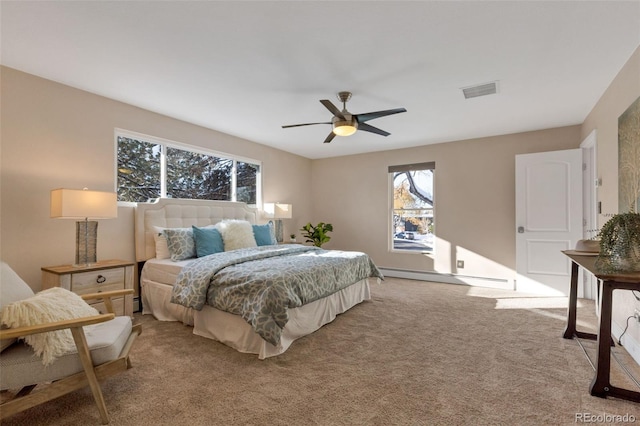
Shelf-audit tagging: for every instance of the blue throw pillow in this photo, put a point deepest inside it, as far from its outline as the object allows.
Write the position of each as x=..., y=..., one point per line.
x=208, y=241
x=264, y=234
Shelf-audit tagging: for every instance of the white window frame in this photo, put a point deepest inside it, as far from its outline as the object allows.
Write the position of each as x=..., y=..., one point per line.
x=391, y=231
x=164, y=143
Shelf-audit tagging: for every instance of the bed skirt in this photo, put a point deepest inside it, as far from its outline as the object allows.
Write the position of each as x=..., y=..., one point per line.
x=235, y=332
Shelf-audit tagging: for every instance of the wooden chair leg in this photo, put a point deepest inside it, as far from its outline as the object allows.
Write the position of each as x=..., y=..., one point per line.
x=87, y=363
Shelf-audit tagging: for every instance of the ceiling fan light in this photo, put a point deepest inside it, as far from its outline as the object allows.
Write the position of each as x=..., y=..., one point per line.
x=345, y=128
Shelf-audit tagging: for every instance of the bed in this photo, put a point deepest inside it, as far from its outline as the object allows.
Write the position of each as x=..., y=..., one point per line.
x=168, y=293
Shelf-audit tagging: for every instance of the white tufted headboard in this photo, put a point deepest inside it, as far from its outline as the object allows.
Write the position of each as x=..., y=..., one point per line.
x=182, y=213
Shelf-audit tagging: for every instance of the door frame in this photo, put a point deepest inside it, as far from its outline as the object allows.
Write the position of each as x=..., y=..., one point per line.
x=590, y=184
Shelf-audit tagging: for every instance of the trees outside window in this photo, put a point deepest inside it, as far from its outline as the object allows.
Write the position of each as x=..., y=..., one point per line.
x=138, y=170
x=412, y=211
x=149, y=168
x=198, y=176
x=247, y=175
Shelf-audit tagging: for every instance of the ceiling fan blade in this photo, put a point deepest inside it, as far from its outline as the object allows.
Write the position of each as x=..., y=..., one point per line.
x=331, y=107
x=377, y=114
x=369, y=128
x=330, y=137
x=305, y=124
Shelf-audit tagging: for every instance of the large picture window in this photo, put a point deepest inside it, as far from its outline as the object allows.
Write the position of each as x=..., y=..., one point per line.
x=412, y=213
x=150, y=168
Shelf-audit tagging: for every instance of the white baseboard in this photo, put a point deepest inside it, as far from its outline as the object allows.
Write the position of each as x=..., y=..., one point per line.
x=449, y=278
x=628, y=342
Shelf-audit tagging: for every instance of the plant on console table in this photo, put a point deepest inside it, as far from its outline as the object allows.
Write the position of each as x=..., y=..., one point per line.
x=317, y=234
x=620, y=244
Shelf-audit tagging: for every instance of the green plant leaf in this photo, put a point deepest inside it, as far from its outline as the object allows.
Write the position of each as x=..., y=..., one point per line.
x=317, y=234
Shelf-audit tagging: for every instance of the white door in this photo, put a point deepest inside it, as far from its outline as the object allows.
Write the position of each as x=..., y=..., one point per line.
x=548, y=219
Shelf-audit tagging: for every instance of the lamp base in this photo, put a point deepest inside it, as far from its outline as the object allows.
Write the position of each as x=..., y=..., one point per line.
x=86, y=241
x=279, y=237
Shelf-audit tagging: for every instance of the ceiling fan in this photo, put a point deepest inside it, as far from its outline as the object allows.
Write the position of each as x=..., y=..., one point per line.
x=345, y=124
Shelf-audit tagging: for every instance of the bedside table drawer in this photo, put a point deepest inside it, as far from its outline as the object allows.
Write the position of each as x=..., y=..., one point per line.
x=97, y=281
x=106, y=275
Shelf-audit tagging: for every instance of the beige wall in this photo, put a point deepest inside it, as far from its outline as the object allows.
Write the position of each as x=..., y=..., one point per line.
x=474, y=208
x=621, y=93
x=54, y=136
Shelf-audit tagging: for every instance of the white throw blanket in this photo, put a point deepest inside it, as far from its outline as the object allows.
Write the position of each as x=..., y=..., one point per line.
x=54, y=304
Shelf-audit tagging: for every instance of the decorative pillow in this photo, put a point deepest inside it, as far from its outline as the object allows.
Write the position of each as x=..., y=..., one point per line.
x=236, y=234
x=180, y=243
x=208, y=241
x=54, y=304
x=264, y=234
x=162, y=249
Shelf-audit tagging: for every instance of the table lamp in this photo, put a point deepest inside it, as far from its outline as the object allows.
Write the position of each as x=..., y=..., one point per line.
x=84, y=205
x=278, y=211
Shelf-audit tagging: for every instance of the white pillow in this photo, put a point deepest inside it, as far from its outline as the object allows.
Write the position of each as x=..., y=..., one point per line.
x=236, y=234
x=162, y=249
x=54, y=304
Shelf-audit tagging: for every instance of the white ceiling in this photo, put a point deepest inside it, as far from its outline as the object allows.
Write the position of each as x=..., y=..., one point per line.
x=246, y=68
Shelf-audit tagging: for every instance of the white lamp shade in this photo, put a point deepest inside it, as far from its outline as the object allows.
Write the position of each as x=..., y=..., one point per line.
x=83, y=204
x=278, y=210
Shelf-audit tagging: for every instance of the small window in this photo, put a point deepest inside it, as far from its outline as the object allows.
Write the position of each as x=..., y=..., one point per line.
x=412, y=213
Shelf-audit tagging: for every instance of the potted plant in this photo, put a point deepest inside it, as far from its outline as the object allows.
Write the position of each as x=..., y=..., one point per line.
x=292, y=238
x=317, y=234
x=620, y=244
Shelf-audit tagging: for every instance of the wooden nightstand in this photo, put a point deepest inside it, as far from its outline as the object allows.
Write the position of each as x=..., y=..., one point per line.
x=101, y=276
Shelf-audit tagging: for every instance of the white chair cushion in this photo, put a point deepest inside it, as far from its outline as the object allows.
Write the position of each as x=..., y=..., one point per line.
x=13, y=289
x=19, y=366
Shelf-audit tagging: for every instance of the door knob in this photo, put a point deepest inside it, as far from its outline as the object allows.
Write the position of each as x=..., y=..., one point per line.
x=520, y=229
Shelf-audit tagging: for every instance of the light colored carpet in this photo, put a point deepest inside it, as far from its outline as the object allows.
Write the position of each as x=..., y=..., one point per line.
x=418, y=353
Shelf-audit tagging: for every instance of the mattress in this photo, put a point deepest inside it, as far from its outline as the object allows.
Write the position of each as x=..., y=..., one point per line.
x=156, y=280
x=163, y=271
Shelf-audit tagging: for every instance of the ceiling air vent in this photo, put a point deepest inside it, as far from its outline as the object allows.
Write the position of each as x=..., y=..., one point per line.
x=480, y=90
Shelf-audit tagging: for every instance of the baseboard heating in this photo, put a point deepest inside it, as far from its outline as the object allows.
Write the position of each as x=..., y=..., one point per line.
x=137, y=304
x=503, y=284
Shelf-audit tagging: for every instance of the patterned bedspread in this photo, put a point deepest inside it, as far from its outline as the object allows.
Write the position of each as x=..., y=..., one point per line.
x=262, y=283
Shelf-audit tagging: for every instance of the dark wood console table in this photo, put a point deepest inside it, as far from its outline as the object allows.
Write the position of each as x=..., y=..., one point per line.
x=601, y=384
